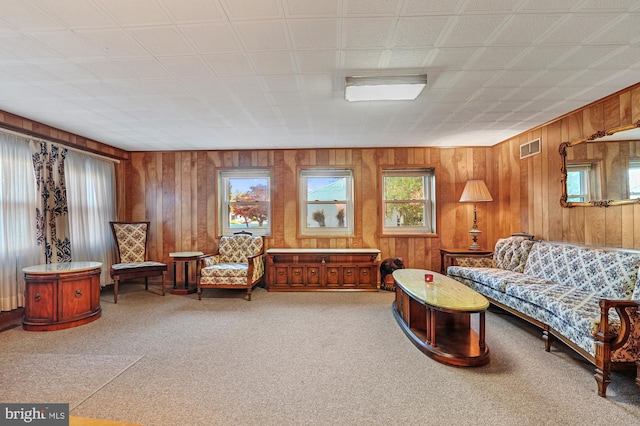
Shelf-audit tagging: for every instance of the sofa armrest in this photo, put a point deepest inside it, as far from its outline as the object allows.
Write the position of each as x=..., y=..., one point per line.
x=604, y=335
x=256, y=266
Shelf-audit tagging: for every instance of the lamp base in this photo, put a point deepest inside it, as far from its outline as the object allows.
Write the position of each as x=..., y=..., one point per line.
x=475, y=246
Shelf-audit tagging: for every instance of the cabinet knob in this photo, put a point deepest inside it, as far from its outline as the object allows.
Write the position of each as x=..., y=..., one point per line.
x=313, y=272
x=349, y=272
x=296, y=272
x=365, y=272
x=333, y=272
x=78, y=293
x=280, y=272
x=37, y=297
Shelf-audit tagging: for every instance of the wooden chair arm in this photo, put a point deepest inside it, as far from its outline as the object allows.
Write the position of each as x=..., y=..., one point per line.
x=604, y=334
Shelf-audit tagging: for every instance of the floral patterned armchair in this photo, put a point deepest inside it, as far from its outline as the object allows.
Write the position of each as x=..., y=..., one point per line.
x=239, y=263
x=132, y=257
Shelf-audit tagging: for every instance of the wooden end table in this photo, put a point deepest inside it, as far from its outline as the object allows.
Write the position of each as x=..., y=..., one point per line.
x=184, y=257
x=447, y=256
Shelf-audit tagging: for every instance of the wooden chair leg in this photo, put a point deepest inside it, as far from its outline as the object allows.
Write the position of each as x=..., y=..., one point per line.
x=164, y=274
x=249, y=294
x=146, y=283
x=115, y=289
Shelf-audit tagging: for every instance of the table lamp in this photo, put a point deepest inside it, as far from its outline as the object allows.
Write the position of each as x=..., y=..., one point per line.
x=475, y=191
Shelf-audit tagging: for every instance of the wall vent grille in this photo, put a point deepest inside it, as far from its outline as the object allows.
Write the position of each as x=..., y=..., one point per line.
x=530, y=148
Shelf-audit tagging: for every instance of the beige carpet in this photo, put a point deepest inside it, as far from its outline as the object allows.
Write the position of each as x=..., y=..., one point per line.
x=294, y=359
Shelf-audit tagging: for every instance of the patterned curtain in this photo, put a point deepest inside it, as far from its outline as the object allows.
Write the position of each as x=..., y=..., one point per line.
x=52, y=221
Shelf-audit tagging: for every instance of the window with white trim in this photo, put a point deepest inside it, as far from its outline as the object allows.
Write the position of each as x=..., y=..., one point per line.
x=326, y=206
x=245, y=201
x=409, y=201
x=634, y=179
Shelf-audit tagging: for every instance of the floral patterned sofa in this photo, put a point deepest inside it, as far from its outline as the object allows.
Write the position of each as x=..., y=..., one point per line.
x=585, y=296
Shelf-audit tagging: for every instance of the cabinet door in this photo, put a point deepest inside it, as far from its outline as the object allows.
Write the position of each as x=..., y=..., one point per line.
x=349, y=276
x=313, y=275
x=281, y=275
x=74, y=297
x=333, y=276
x=367, y=276
x=297, y=275
x=40, y=302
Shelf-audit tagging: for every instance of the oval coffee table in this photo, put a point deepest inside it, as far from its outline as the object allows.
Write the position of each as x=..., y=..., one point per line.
x=443, y=318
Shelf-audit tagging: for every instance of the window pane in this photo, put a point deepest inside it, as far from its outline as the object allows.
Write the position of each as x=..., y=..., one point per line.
x=404, y=214
x=248, y=215
x=404, y=188
x=248, y=189
x=326, y=215
x=326, y=189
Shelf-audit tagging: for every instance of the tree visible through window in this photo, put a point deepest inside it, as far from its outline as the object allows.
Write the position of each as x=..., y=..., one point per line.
x=245, y=201
x=408, y=200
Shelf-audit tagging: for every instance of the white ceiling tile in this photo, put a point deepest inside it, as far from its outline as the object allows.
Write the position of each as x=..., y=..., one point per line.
x=620, y=30
x=525, y=29
x=193, y=11
x=373, y=7
x=538, y=57
x=186, y=66
x=314, y=34
x=145, y=68
x=367, y=32
x=317, y=62
x=299, y=8
x=27, y=48
x=229, y=65
x=280, y=83
x=77, y=13
x=68, y=44
x=488, y=6
x=249, y=9
x=106, y=70
x=610, y=5
x=135, y=13
x=419, y=31
x=162, y=41
x=432, y=6
x=451, y=58
x=24, y=16
x=549, y=6
x=273, y=63
x=578, y=28
x=473, y=30
x=494, y=57
x=263, y=35
x=212, y=38
x=114, y=43
x=359, y=60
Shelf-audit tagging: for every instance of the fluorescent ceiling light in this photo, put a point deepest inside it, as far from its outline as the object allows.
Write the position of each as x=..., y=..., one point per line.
x=400, y=88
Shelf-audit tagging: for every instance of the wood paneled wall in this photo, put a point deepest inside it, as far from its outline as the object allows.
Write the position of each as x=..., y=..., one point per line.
x=176, y=191
x=529, y=190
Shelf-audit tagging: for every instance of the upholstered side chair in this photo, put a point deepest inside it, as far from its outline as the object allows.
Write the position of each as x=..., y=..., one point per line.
x=238, y=264
x=131, y=239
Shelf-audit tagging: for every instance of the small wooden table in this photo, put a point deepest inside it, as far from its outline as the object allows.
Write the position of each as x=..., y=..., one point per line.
x=61, y=295
x=443, y=318
x=184, y=257
x=447, y=255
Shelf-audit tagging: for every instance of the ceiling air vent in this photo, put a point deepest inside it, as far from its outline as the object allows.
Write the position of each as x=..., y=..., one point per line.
x=530, y=148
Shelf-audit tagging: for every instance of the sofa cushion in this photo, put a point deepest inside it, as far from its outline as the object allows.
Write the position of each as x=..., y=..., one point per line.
x=511, y=253
x=494, y=278
x=608, y=273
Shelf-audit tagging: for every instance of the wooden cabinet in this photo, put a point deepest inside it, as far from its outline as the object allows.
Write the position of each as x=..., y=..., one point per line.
x=61, y=295
x=322, y=269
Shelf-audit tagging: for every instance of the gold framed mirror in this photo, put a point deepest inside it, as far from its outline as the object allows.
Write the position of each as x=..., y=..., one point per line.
x=603, y=169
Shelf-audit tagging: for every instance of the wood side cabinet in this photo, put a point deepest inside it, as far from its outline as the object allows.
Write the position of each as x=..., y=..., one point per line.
x=291, y=269
x=61, y=295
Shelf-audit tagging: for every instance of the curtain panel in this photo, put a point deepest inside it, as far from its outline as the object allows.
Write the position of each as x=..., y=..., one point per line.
x=52, y=219
x=17, y=219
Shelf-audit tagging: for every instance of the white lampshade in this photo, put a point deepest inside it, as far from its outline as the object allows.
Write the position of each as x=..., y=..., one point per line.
x=475, y=191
